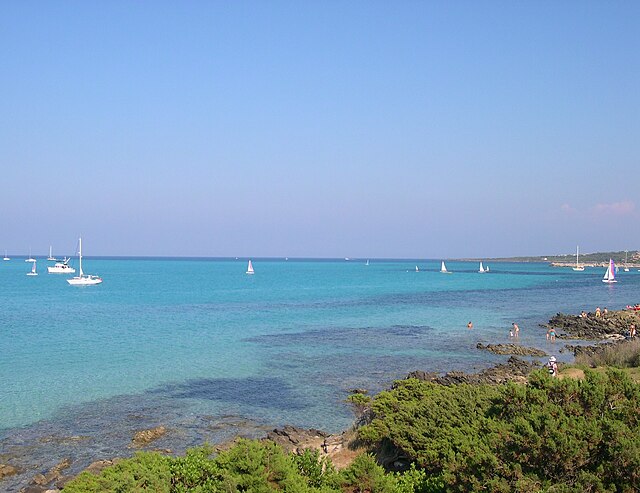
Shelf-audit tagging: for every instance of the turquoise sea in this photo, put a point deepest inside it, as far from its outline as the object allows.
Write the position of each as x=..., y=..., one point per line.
x=202, y=348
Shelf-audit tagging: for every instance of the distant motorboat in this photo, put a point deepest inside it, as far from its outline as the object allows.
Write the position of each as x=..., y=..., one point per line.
x=33, y=269
x=481, y=270
x=443, y=268
x=250, y=268
x=83, y=279
x=610, y=274
x=578, y=267
x=61, y=267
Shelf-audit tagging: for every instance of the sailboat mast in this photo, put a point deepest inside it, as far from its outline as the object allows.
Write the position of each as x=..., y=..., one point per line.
x=80, y=255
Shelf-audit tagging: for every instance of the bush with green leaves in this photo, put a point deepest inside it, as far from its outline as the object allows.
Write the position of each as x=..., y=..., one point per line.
x=549, y=435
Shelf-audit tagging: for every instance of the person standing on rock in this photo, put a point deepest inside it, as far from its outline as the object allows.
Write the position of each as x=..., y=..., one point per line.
x=632, y=330
x=598, y=312
x=605, y=312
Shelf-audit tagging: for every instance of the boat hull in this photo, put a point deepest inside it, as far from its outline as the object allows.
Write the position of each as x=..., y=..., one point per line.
x=84, y=281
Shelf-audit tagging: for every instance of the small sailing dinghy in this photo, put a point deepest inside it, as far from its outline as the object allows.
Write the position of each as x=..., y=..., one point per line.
x=83, y=279
x=443, y=268
x=417, y=270
x=626, y=267
x=481, y=269
x=578, y=267
x=6, y=257
x=33, y=269
x=250, y=268
x=610, y=274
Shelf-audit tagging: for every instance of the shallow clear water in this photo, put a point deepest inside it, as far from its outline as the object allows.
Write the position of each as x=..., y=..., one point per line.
x=208, y=351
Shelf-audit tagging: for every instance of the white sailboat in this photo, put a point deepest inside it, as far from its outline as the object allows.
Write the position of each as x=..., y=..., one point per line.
x=481, y=269
x=610, y=274
x=33, y=269
x=83, y=279
x=51, y=257
x=443, y=268
x=578, y=267
x=250, y=268
x=626, y=254
x=367, y=262
x=6, y=257
x=30, y=259
x=417, y=270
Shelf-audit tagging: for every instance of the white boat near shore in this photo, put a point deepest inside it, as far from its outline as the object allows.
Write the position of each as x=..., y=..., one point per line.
x=250, y=268
x=578, y=267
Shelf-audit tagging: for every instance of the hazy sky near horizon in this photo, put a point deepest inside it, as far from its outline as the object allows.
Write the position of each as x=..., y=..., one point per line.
x=331, y=129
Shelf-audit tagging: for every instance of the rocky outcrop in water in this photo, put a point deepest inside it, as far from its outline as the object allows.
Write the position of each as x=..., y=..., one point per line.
x=514, y=370
x=7, y=470
x=514, y=349
x=144, y=437
x=615, y=323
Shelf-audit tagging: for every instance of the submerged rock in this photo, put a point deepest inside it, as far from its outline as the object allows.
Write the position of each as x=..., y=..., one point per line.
x=7, y=470
x=511, y=349
x=144, y=437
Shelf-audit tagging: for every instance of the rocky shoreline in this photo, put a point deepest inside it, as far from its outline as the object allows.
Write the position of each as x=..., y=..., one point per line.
x=342, y=448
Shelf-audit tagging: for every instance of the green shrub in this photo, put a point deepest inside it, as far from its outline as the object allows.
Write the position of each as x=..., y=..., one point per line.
x=195, y=472
x=365, y=475
x=146, y=471
x=555, y=435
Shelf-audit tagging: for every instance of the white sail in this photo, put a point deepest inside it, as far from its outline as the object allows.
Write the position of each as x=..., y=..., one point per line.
x=51, y=257
x=481, y=269
x=250, y=268
x=33, y=269
x=610, y=274
x=443, y=268
x=417, y=270
x=83, y=279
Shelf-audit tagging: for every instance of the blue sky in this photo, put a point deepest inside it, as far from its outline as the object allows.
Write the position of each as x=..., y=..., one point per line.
x=330, y=129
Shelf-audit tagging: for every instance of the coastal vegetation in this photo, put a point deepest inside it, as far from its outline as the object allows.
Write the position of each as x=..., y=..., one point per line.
x=560, y=435
x=632, y=256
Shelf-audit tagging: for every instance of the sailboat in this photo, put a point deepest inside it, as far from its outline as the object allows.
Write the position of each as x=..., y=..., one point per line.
x=6, y=257
x=481, y=269
x=443, y=268
x=33, y=269
x=626, y=254
x=83, y=279
x=578, y=267
x=367, y=262
x=417, y=270
x=250, y=268
x=610, y=274
x=30, y=259
x=51, y=257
